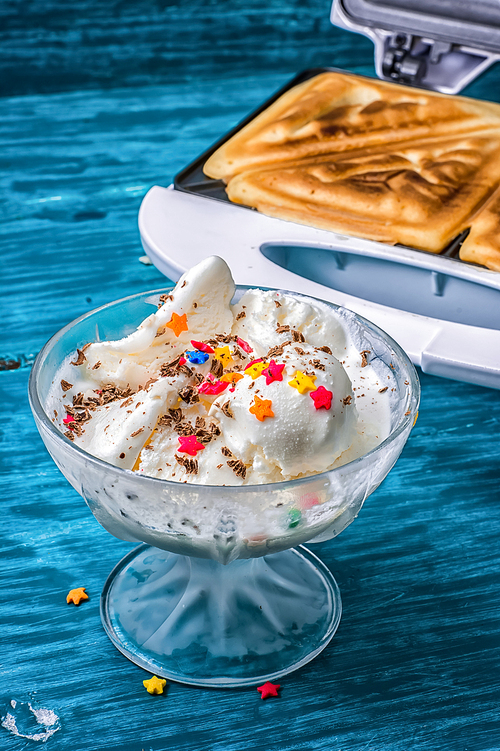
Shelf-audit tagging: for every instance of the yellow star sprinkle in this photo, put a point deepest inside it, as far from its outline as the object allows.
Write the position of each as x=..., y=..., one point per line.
x=256, y=369
x=77, y=595
x=223, y=354
x=155, y=685
x=261, y=408
x=178, y=324
x=231, y=377
x=302, y=382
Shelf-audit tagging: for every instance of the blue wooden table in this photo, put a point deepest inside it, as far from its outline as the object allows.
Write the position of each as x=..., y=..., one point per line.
x=100, y=102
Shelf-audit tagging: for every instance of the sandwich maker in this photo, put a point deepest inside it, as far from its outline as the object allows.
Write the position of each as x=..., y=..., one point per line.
x=444, y=312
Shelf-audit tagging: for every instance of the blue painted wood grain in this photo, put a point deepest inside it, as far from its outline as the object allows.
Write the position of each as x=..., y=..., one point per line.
x=416, y=661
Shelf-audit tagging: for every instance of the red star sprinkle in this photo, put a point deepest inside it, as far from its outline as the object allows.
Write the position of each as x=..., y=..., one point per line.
x=322, y=398
x=244, y=345
x=189, y=445
x=178, y=324
x=213, y=388
x=268, y=689
x=202, y=347
x=68, y=419
x=273, y=372
x=182, y=361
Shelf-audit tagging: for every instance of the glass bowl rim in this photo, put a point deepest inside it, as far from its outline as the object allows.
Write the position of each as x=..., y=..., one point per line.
x=39, y=411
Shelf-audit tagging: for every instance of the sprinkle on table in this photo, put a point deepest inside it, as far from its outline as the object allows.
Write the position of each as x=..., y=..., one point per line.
x=302, y=382
x=223, y=354
x=322, y=398
x=189, y=444
x=261, y=408
x=76, y=596
x=268, y=689
x=178, y=324
x=273, y=372
x=154, y=685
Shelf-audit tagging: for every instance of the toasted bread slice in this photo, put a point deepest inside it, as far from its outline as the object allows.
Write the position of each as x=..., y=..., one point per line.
x=482, y=244
x=335, y=112
x=420, y=195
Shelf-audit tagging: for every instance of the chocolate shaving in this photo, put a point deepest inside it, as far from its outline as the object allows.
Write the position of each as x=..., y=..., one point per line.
x=184, y=369
x=126, y=402
x=226, y=452
x=183, y=428
x=80, y=359
x=299, y=350
x=214, y=429
x=69, y=435
x=66, y=386
x=97, y=365
x=225, y=338
x=190, y=465
x=163, y=300
x=241, y=315
x=364, y=359
x=282, y=329
x=227, y=409
x=217, y=368
x=78, y=399
x=200, y=422
x=86, y=346
x=238, y=467
x=160, y=331
x=298, y=336
x=381, y=391
x=170, y=368
x=189, y=395
x=149, y=383
x=325, y=349
x=347, y=400
x=278, y=304
x=317, y=364
x=136, y=432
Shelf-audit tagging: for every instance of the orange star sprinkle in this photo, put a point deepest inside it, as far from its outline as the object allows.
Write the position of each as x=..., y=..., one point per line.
x=268, y=689
x=77, y=595
x=302, y=382
x=178, y=324
x=261, y=408
x=231, y=377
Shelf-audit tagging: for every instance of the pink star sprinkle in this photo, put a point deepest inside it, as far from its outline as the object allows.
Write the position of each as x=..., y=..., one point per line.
x=322, y=398
x=273, y=372
x=268, y=689
x=202, y=347
x=182, y=361
x=244, y=345
x=68, y=419
x=189, y=445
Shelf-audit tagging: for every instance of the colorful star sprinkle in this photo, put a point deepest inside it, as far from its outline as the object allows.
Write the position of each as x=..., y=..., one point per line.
x=322, y=398
x=76, y=596
x=255, y=368
x=231, y=377
x=223, y=354
x=68, y=419
x=273, y=372
x=302, y=382
x=189, y=444
x=268, y=689
x=197, y=357
x=213, y=388
x=178, y=324
x=202, y=347
x=261, y=408
x=154, y=685
x=244, y=345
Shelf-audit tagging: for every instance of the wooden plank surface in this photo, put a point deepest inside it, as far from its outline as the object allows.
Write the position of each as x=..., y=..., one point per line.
x=416, y=661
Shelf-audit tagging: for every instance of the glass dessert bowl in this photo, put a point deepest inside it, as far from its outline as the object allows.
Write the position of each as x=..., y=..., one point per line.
x=173, y=605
